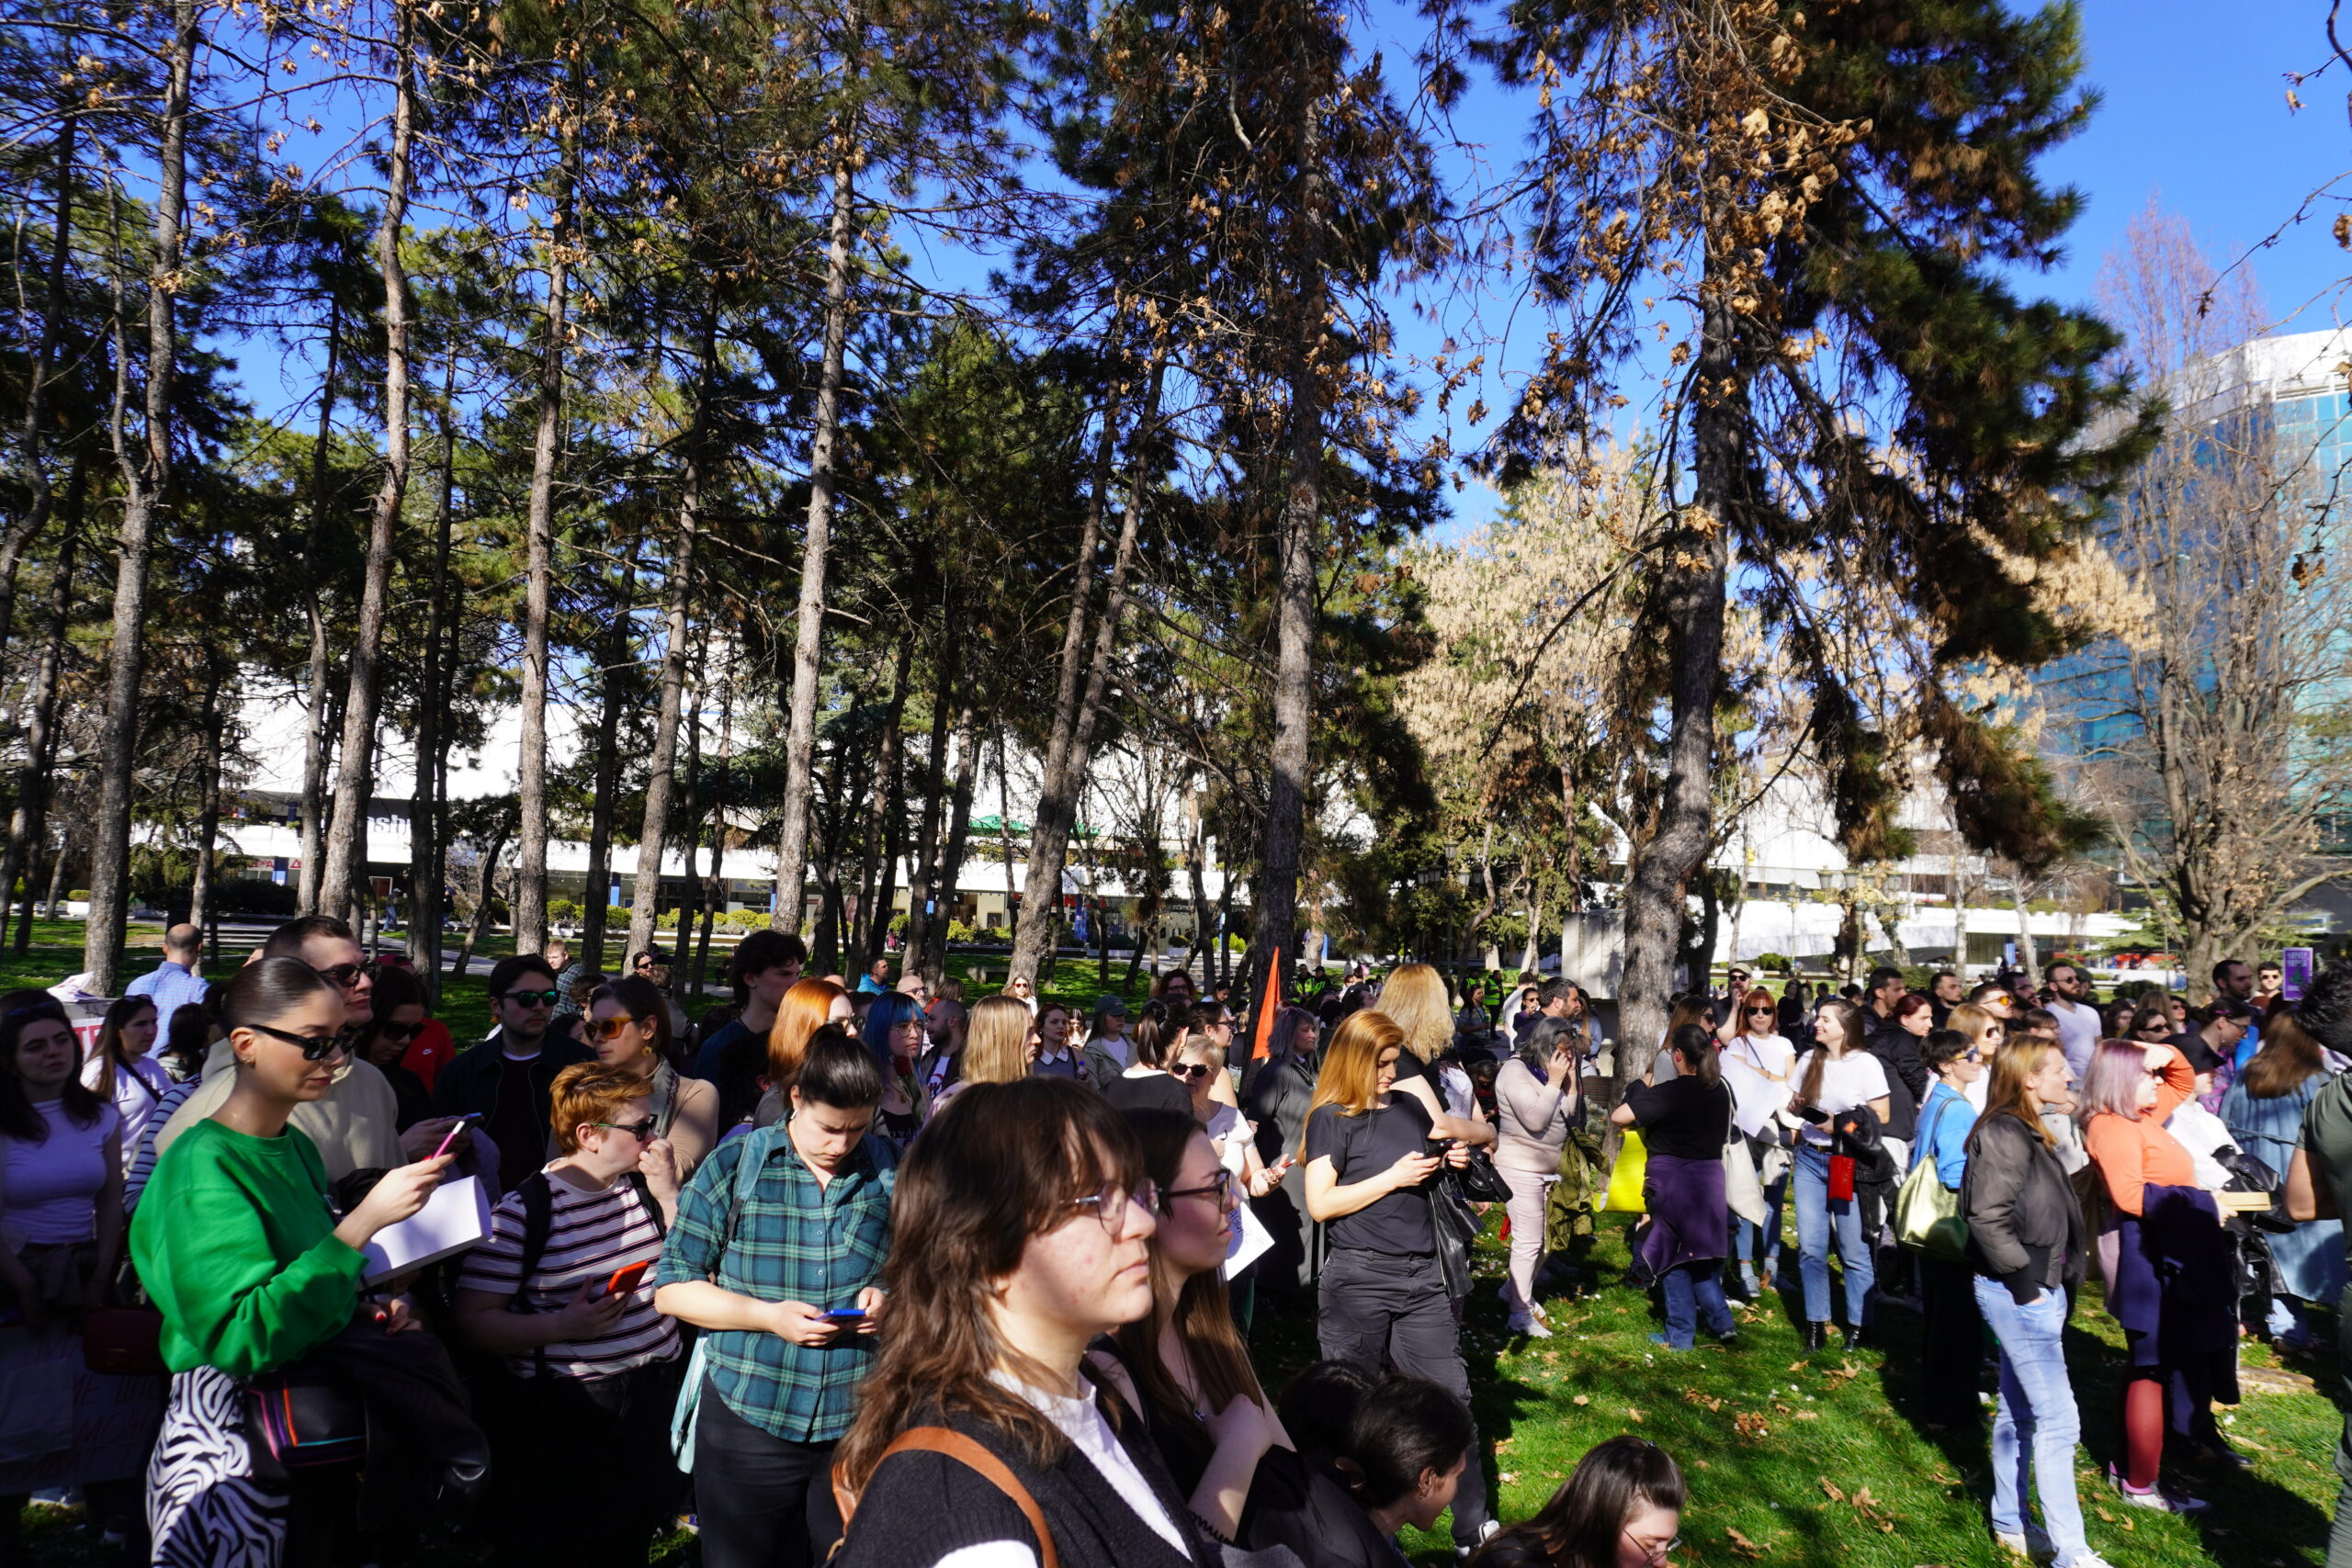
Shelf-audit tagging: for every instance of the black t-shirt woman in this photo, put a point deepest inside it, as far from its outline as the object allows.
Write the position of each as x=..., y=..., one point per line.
x=1368, y=1154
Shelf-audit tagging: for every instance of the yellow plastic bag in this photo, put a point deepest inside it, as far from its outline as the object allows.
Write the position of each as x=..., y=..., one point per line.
x=1625, y=1176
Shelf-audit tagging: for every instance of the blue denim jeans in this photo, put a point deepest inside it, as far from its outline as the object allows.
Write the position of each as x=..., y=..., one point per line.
x=1751, y=1244
x=1693, y=1290
x=2035, y=1429
x=1816, y=1217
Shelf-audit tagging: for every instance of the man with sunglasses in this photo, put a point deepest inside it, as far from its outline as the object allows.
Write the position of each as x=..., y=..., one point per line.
x=354, y=1123
x=508, y=1080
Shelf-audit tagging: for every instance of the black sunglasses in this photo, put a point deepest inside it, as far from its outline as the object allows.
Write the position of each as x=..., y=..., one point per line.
x=315, y=1047
x=1191, y=1069
x=392, y=1030
x=547, y=998
x=345, y=975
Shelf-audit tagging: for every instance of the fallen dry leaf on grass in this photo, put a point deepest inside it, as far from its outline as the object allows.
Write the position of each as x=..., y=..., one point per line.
x=1634, y=1413
x=1751, y=1425
x=1743, y=1547
x=1583, y=1399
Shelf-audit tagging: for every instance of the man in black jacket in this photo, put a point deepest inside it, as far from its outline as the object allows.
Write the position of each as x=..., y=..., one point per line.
x=506, y=1080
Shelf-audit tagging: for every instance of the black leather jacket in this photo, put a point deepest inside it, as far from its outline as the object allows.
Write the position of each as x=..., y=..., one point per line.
x=2025, y=1225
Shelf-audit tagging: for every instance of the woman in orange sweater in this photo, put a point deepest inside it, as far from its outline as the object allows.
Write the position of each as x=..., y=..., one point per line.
x=2170, y=1281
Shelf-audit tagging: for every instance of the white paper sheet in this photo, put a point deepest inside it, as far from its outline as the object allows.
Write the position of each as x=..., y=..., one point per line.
x=455, y=1218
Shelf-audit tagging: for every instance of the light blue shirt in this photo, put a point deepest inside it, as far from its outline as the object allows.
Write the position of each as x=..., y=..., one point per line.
x=1944, y=1123
x=172, y=986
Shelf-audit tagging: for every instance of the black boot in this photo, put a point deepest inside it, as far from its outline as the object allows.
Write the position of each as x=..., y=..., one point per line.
x=1816, y=1336
x=1855, y=1339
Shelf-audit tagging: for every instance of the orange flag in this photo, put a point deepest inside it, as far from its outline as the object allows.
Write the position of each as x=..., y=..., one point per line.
x=1268, y=1005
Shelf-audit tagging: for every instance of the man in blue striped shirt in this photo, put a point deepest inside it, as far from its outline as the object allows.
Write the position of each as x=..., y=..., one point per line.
x=781, y=1266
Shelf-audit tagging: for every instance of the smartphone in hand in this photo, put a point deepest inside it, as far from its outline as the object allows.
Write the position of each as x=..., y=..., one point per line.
x=626, y=1280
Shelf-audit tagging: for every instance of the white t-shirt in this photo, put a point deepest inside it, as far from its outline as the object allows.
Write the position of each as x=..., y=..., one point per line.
x=2078, y=1036
x=1854, y=1078
x=1082, y=1424
x=1232, y=1143
x=1747, y=1059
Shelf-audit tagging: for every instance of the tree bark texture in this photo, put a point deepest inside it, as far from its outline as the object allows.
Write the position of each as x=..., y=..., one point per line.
x=315, y=722
x=885, y=820
x=596, y=891
x=1691, y=609
x=808, y=639
x=531, y=862
x=212, y=721
x=27, y=821
x=922, y=891
x=147, y=479
x=427, y=847
x=959, y=832
x=345, y=880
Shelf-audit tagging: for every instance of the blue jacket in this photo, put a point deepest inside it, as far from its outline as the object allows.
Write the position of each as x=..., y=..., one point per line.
x=1944, y=1132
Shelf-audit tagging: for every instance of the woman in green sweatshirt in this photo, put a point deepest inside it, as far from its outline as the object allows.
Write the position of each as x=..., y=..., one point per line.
x=251, y=1268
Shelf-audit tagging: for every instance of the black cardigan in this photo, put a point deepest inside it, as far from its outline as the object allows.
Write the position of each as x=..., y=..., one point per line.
x=918, y=1507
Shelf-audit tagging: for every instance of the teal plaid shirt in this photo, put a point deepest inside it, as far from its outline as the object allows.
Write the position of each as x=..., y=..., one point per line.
x=793, y=1241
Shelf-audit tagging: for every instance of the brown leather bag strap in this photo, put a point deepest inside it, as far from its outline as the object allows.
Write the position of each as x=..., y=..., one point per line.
x=972, y=1456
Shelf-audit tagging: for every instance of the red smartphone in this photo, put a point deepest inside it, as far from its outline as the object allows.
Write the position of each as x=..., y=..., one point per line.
x=626, y=1280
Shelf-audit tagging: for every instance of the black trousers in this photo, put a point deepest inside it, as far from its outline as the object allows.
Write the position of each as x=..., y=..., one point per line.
x=1951, y=1343
x=1378, y=1311
x=761, y=1501
x=553, y=1511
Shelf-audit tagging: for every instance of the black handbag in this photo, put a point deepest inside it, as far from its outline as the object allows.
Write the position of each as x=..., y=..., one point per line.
x=306, y=1418
x=1481, y=1182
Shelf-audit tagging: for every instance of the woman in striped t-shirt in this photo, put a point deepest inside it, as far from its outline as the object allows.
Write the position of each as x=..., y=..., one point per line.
x=590, y=1369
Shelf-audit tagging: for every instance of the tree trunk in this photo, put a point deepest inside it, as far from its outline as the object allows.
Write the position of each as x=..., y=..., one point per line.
x=690, y=813
x=28, y=824
x=1004, y=827
x=959, y=830
x=1690, y=608
x=1057, y=799
x=485, y=890
x=426, y=826
x=714, y=887
x=678, y=604
x=2027, y=954
x=531, y=868
x=56, y=882
x=885, y=817
x=314, y=684
x=147, y=484
x=1197, y=846
x=922, y=891
x=346, y=869
x=55, y=307
x=208, y=822
x=808, y=641
x=597, y=891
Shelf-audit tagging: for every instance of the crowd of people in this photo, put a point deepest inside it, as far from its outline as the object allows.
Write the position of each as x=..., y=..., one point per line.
x=898, y=1273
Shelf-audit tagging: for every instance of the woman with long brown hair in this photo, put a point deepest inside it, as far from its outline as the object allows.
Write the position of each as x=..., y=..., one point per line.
x=1182, y=1366
x=2029, y=1243
x=628, y=1026
x=1382, y=1294
x=1837, y=1075
x=1020, y=1232
x=1622, y=1509
x=2263, y=1111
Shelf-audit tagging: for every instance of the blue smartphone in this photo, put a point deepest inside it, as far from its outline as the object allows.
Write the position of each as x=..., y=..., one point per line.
x=847, y=1314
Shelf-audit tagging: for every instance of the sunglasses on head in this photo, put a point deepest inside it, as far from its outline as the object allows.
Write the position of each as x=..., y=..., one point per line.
x=315, y=1047
x=546, y=999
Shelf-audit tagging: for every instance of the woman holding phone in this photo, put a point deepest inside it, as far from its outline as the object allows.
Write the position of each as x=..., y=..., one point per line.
x=561, y=1293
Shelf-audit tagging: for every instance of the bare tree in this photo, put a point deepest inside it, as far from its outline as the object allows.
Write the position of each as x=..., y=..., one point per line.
x=2219, y=762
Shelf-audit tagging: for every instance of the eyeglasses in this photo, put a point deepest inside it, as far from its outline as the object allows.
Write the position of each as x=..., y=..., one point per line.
x=1658, y=1552
x=1767, y=1010
x=1110, y=1205
x=1222, y=1187
x=547, y=998
x=610, y=1028
x=315, y=1047
x=342, y=976
x=1191, y=1069
x=391, y=1029
x=640, y=1131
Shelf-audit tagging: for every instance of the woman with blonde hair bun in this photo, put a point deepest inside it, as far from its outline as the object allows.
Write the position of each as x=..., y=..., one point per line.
x=1414, y=999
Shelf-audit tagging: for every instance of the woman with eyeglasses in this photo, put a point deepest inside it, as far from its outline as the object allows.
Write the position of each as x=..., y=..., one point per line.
x=1951, y=1329
x=1183, y=1366
x=587, y=1368
x=1020, y=1232
x=1757, y=1061
x=385, y=1040
x=1621, y=1508
x=121, y=1068
x=251, y=1270
x=61, y=1237
x=2171, y=1278
x=628, y=1027
x=893, y=1033
x=1370, y=1153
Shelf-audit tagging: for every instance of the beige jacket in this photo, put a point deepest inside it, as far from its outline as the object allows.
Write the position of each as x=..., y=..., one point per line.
x=351, y=1124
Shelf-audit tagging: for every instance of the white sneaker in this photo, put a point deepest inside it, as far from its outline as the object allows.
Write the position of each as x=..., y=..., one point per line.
x=1520, y=1324
x=2032, y=1545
